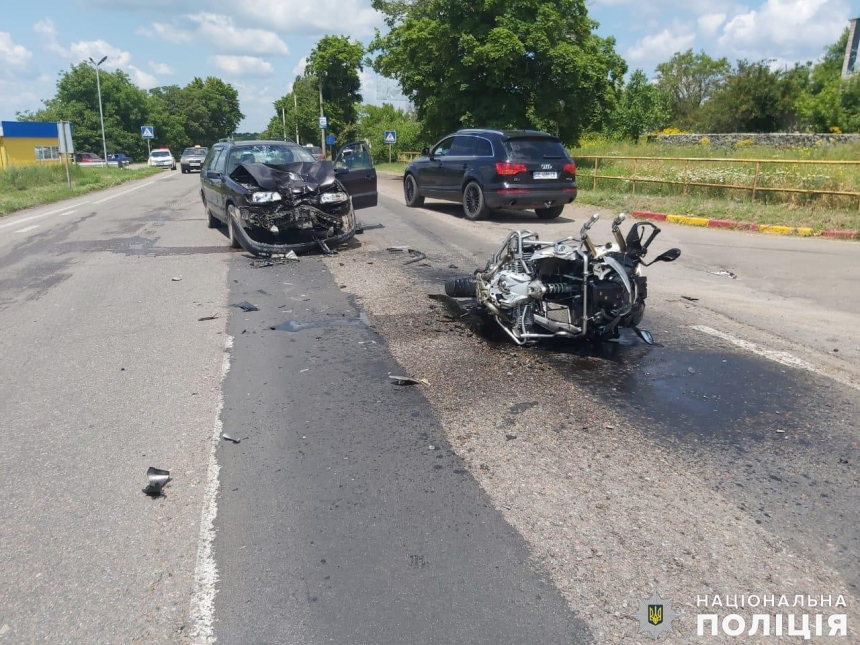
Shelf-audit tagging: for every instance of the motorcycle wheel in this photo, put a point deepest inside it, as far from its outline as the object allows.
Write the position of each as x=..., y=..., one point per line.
x=460, y=287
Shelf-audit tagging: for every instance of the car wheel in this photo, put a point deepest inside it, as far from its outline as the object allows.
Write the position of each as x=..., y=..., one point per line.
x=474, y=207
x=410, y=192
x=211, y=220
x=231, y=213
x=549, y=213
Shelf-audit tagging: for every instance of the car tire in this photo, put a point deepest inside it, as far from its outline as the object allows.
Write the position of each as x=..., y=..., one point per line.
x=549, y=213
x=474, y=206
x=211, y=220
x=410, y=192
x=184, y=170
x=234, y=241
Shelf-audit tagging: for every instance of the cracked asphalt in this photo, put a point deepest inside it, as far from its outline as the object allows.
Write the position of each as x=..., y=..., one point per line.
x=523, y=496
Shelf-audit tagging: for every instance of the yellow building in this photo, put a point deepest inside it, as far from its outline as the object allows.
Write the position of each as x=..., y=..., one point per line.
x=23, y=143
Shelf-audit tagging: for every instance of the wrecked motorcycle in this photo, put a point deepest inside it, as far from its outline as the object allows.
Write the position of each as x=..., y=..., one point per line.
x=569, y=288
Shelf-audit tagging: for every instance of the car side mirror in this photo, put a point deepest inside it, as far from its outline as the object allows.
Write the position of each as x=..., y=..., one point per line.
x=667, y=256
x=213, y=174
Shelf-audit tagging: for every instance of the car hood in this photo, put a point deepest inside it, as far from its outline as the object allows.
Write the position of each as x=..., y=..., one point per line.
x=298, y=177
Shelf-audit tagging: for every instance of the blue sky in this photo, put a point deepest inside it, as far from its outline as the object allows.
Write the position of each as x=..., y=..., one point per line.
x=259, y=45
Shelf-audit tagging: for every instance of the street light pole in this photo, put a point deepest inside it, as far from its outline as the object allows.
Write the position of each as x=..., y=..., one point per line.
x=101, y=113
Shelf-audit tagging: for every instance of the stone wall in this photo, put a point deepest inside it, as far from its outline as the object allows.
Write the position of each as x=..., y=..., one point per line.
x=775, y=140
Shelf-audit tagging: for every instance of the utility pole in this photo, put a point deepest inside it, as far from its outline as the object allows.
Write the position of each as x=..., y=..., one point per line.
x=296, y=113
x=322, y=132
x=284, y=120
x=101, y=113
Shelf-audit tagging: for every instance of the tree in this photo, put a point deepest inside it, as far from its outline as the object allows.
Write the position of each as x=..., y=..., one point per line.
x=305, y=97
x=691, y=79
x=375, y=120
x=125, y=109
x=750, y=101
x=528, y=63
x=829, y=101
x=643, y=108
x=335, y=63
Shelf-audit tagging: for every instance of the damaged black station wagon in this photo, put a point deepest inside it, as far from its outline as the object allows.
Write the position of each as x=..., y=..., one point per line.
x=275, y=197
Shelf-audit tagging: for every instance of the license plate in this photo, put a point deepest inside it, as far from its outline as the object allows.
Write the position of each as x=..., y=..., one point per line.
x=545, y=175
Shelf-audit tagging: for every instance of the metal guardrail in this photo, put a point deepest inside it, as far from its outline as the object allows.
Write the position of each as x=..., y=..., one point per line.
x=686, y=183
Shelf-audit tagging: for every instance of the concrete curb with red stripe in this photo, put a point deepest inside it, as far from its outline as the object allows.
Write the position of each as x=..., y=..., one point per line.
x=705, y=222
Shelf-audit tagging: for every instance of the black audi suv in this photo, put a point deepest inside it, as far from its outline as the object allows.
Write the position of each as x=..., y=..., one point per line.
x=489, y=170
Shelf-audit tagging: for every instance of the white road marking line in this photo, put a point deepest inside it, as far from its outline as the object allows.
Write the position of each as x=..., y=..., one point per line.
x=783, y=358
x=28, y=228
x=125, y=192
x=206, y=571
x=61, y=211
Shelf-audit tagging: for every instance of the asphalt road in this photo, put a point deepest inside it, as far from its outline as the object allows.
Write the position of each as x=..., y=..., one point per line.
x=523, y=496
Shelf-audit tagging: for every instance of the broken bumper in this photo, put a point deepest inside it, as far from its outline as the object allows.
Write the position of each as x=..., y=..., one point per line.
x=320, y=240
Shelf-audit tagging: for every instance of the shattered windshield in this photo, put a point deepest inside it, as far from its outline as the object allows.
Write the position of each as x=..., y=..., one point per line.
x=269, y=154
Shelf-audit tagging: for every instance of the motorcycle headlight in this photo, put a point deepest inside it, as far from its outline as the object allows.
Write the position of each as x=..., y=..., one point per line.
x=263, y=198
x=333, y=197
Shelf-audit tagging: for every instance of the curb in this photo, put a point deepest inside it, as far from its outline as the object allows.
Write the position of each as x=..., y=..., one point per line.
x=773, y=229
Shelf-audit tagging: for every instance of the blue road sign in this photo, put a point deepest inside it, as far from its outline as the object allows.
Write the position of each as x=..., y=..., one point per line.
x=323, y=122
x=390, y=136
x=147, y=132
x=330, y=140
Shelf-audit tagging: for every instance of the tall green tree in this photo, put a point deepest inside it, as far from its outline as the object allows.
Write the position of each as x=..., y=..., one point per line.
x=827, y=100
x=643, y=107
x=336, y=63
x=374, y=120
x=750, y=101
x=300, y=106
x=526, y=63
x=691, y=79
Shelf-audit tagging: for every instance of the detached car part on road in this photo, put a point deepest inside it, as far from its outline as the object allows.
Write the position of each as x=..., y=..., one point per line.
x=275, y=197
x=565, y=289
x=487, y=170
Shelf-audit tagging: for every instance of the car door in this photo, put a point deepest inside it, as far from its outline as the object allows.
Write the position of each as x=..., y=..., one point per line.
x=455, y=164
x=430, y=177
x=354, y=169
x=213, y=183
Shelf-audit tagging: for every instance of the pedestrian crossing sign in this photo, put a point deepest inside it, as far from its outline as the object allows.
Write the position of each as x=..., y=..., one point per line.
x=147, y=132
x=390, y=136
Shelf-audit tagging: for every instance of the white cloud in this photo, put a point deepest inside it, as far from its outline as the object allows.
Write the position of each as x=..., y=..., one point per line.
x=164, y=31
x=46, y=29
x=222, y=32
x=661, y=46
x=142, y=79
x=217, y=31
x=244, y=66
x=301, y=16
x=13, y=57
x=785, y=27
x=299, y=69
x=83, y=50
x=710, y=22
x=161, y=68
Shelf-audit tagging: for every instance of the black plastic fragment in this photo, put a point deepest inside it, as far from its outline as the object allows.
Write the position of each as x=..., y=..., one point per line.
x=207, y=318
x=245, y=306
x=157, y=479
x=690, y=298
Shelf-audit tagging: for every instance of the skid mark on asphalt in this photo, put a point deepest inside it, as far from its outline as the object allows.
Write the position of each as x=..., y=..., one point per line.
x=206, y=570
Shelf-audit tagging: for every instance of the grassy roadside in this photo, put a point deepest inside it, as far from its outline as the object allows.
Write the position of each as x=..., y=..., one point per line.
x=36, y=185
x=720, y=204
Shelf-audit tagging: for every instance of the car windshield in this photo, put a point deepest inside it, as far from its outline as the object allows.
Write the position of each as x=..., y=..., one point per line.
x=160, y=153
x=532, y=148
x=270, y=154
x=195, y=152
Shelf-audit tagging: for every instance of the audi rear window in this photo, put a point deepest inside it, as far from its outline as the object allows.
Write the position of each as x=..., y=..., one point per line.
x=532, y=149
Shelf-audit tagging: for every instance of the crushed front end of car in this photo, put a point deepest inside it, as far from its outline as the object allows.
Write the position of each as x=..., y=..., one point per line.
x=294, y=207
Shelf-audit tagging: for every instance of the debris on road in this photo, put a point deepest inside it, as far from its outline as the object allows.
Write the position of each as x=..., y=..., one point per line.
x=177, y=278
x=275, y=259
x=691, y=370
x=207, y=318
x=245, y=306
x=510, y=437
x=408, y=380
x=690, y=298
x=723, y=272
x=417, y=255
x=227, y=437
x=157, y=479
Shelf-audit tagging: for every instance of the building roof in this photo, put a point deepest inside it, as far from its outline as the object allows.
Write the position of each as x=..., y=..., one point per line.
x=28, y=130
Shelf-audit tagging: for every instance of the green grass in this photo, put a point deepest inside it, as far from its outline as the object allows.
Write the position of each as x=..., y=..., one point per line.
x=35, y=185
x=394, y=167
